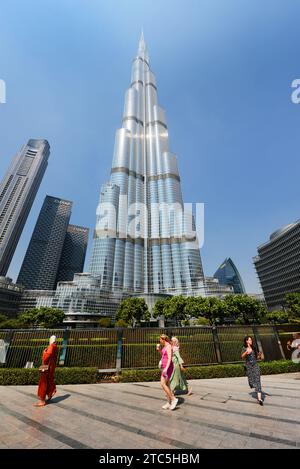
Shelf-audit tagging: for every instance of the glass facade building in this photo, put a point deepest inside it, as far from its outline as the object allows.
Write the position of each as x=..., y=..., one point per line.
x=17, y=193
x=228, y=274
x=82, y=300
x=278, y=265
x=142, y=241
x=40, y=265
x=10, y=297
x=73, y=253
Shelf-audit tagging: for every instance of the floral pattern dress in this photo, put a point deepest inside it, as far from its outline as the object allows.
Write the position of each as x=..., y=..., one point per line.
x=252, y=370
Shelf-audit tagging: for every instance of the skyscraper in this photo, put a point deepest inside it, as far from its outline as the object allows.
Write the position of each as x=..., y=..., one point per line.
x=17, y=192
x=228, y=274
x=73, y=253
x=141, y=240
x=278, y=265
x=40, y=265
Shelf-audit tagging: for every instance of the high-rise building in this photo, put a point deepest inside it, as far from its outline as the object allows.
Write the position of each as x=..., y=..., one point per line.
x=17, y=192
x=73, y=253
x=40, y=265
x=278, y=265
x=141, y=240
x=82, y=300
x=10, y=297
x=228, y=274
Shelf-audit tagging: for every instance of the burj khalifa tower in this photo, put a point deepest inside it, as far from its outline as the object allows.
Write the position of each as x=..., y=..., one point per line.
x=141, y=244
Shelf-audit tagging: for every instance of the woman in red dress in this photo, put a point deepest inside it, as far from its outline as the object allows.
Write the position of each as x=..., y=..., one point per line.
x=46, y=383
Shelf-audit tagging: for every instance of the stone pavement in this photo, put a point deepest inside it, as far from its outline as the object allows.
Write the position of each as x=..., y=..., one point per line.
x=221, y=413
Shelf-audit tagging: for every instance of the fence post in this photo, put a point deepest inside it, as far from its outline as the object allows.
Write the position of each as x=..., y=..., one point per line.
x=258, y=341
x=64, y=347
x=217, y=343
x=119, y=350
x=7, y=343
x=279, y=342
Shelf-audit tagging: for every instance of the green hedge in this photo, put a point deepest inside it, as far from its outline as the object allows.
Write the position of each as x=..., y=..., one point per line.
x=17, y=376
x=23, y=376
x=212, y=371
x=101, y=356
x=145, y=355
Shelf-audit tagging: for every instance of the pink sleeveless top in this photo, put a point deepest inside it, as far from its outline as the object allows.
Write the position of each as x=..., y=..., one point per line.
x=164, y=361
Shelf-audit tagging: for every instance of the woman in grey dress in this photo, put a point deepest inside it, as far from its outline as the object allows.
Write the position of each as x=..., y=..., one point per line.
x=251, y=356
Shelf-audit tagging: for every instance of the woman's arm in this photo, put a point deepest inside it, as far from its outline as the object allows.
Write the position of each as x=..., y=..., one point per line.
x=180, y=360
x=244, y=353
x=48, y=353
x=259, y=356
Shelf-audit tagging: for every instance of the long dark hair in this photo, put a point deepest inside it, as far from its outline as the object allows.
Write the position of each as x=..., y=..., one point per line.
x=253, y=343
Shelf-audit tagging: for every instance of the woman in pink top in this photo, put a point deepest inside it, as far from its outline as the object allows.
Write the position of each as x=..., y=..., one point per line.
x=167, y=370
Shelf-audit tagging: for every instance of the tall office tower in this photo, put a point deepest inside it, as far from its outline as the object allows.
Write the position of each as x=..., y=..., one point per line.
x=228, y=274
x=278, y=265
x=40, y=265
x=73, y=253
x=141, y=240
x=17, y=192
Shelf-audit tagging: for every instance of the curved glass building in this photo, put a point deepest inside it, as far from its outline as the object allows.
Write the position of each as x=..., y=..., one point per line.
x=278, y=265
x=228, y=274
x=142, y=243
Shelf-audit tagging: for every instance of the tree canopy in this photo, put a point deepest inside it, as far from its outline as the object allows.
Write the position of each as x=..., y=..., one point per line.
x=42, y=317
x=293, y=305
x=133, y=311
x=212, y=310
x=105, y=322
x=245, y=309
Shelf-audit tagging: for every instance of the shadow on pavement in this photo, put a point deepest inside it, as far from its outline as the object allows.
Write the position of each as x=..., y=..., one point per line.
x=54, y=400
x=263, y=395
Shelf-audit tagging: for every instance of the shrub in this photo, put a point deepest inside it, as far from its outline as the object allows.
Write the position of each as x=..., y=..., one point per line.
x=121, y=323
x=279, y=317
x=201, y=321
x=23, y=376
x=100, y=356
x=212, y=371
x=18, y=376
x=105, y=322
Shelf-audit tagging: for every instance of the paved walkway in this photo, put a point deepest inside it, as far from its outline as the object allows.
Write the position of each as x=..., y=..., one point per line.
x=222, y=413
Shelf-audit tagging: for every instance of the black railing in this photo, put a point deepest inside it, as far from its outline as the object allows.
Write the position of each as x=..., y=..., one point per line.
x=115, y=349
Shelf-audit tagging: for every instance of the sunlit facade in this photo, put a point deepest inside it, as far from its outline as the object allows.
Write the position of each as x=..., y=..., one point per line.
x=141, y=240
x=278, y=265
x=17, y=193
x=82, y=300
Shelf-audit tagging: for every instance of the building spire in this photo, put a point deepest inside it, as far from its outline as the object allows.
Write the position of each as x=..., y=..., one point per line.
x=142, y=44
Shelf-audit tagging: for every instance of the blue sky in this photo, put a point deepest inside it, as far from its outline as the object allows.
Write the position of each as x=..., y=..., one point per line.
x=224, y=70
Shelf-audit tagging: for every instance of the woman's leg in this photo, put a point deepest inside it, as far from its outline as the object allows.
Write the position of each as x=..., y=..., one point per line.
x=258, y=384
x=42, y=390
x=165, y=385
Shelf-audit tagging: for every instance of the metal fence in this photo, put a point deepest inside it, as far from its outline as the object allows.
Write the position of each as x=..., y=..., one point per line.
x=114, y=349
